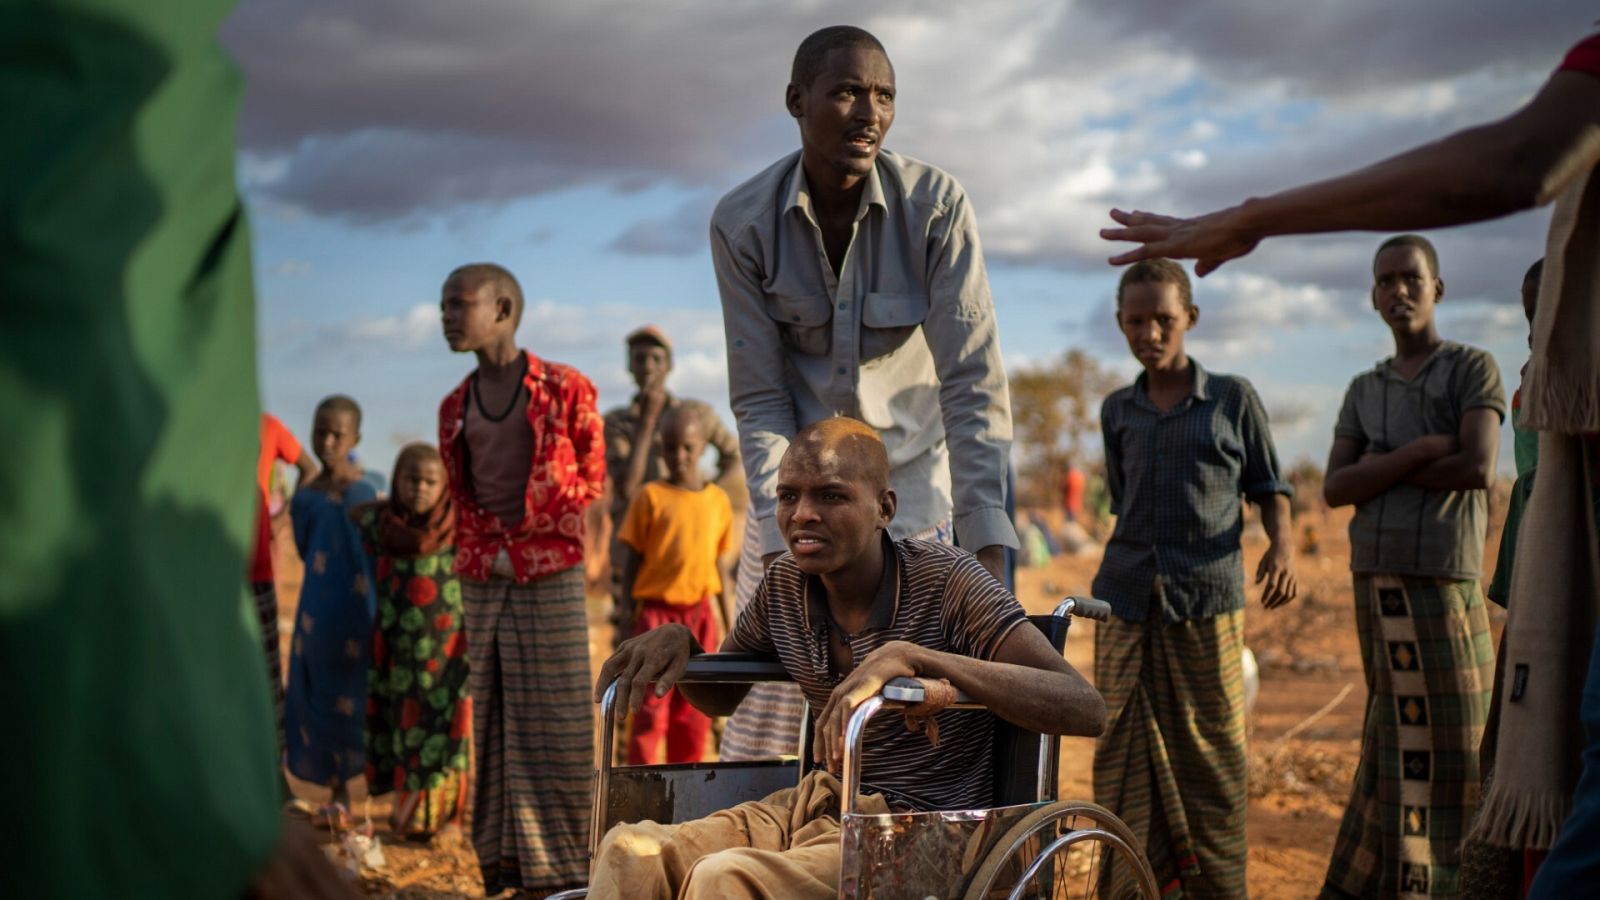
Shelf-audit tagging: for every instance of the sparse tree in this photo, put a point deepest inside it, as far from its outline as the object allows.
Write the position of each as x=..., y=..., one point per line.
x=1055, y=410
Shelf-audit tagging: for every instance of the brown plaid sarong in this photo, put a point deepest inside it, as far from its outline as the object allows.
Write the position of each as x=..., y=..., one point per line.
x=533, y=730
x=1172, y=762
x=1429, y=664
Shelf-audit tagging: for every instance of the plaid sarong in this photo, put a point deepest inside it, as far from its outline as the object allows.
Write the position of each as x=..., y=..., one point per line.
x=767, y=722
x=1429, y=664
x=1172, y=761
x=533, y=730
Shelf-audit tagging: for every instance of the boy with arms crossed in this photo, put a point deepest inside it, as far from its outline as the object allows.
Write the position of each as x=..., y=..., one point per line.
x=1414, y=451
x=523, y=450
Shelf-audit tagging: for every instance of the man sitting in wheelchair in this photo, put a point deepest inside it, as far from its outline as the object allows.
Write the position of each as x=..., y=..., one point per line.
x=846, y=610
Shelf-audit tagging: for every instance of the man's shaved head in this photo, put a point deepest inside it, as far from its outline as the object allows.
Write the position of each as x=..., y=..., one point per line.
x=814, y=50
x=496, y=276
x=850, y=446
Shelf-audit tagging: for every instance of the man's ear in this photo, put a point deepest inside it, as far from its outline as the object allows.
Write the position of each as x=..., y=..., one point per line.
x=504, y=308
x=1194, y=315
x=887, y=504
x=1438, y=293
x=791, y=100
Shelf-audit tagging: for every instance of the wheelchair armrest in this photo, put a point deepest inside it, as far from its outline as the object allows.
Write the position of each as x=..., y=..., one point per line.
x=715, y=683
x=738, y=668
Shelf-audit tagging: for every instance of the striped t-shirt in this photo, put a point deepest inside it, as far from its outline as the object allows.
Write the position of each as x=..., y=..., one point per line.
x=931, y=595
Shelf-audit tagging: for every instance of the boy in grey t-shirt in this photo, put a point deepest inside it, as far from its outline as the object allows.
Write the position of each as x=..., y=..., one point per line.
x=1414, y=451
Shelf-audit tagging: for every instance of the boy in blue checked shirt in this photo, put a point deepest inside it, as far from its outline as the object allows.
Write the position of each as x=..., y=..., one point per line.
x=1182, y=446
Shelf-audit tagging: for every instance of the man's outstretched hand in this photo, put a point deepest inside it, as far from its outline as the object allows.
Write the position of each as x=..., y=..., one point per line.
x=1211, y=239
x=659, y=655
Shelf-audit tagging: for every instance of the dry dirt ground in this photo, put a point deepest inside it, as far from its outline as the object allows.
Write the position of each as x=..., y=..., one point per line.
x=1310, y=664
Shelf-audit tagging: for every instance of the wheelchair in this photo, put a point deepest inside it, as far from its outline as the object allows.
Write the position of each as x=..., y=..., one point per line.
x=1030, y=844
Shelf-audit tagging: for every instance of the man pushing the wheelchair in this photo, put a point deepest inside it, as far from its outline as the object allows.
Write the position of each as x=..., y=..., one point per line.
x=846, y=610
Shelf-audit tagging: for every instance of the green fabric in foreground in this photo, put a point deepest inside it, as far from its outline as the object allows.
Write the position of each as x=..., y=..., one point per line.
x=139, y=756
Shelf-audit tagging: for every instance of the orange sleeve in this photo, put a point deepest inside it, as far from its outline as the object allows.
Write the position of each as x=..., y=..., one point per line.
x=289, y=449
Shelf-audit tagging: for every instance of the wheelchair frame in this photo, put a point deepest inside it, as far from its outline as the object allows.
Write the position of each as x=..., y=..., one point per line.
x=681, y=783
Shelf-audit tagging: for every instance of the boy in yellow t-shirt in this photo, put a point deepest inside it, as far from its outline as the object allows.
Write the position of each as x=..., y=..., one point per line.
x=677, y=531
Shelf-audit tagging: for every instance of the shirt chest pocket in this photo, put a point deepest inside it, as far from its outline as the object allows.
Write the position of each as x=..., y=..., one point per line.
x=889, y=320
x=803, y=320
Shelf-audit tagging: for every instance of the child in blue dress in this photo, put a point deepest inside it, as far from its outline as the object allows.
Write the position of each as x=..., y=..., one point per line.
x=325, y=706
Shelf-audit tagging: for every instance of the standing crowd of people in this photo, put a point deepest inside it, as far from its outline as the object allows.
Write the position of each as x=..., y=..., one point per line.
x=873, y=428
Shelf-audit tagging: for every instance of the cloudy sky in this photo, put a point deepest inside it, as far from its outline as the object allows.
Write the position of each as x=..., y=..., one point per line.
x=583, y=145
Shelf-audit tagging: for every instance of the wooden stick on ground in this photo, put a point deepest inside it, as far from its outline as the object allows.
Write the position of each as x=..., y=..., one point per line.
x=1310, y=720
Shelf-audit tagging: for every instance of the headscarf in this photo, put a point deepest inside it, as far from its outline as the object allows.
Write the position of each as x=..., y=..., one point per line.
x=404, y=533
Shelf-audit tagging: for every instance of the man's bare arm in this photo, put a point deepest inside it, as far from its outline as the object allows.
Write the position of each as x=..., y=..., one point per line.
x=652, y=400
x=1471, y=467
x=1028, y=683
x=1484, y=172
x=1275, y=573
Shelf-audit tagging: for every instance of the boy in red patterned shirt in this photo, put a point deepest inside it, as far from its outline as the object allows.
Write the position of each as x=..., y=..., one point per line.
x=523, y=446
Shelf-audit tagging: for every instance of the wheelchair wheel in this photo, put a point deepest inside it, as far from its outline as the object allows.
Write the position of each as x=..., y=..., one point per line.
x=1063, y=850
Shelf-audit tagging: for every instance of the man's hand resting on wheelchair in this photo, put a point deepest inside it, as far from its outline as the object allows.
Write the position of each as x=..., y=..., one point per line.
x=659, y=655
x=1027, y=683
x=895, y=659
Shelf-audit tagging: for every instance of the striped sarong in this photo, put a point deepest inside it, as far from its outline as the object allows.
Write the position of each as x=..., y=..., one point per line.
x=1172, y=761
x=1429, y=664
x=267, y=612
x=767, y=722
x=533, y=730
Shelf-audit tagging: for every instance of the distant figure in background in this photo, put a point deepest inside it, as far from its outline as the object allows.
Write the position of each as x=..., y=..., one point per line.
x=674, y=536
x=419, y=710
x=1182, y=446
x=326, y=702
x=1414, y=451
x=264, y=588
x=1072, y=485
x=524, y=450
x=279, y=445
x=633, y=437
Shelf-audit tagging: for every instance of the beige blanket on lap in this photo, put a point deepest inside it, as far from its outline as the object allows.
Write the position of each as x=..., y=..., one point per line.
x=1555, y=587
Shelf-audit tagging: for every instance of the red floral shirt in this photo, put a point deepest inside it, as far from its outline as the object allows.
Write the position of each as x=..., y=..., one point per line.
x=568, y=472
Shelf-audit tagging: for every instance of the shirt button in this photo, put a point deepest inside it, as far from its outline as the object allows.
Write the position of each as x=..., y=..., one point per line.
x=796, y=318
x=841, y=370
x=844, y=306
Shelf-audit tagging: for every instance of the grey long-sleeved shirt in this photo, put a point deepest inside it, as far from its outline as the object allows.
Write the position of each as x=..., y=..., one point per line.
x=903, y=339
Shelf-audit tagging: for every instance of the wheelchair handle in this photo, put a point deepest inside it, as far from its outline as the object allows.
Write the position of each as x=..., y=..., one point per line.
x=1087, y=607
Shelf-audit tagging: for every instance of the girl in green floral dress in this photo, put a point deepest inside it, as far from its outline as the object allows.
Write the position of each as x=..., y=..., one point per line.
x=419, y=713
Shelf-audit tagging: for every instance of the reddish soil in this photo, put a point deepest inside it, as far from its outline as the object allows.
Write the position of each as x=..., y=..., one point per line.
x=1308, y=656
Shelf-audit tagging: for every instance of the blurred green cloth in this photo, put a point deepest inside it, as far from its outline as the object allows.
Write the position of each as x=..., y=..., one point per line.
x=138, y=755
